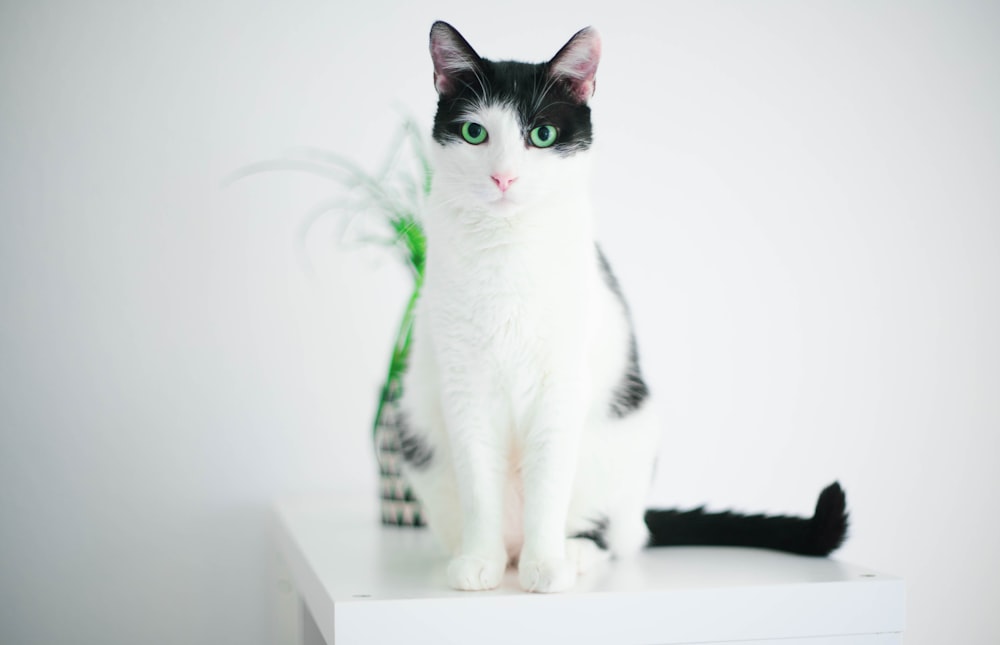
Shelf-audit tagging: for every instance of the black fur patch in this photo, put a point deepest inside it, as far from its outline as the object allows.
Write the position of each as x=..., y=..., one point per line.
x=596, y=534
x=529, y=90
x=632, y=390
x=413, y=447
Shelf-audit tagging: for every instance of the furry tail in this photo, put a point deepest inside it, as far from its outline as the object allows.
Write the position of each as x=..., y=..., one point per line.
x=819, y=535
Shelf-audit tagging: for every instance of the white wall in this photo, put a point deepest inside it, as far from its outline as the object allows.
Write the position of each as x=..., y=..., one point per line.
x=802, y=201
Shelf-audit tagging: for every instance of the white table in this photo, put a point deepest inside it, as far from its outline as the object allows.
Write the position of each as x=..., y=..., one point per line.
x=363, y=583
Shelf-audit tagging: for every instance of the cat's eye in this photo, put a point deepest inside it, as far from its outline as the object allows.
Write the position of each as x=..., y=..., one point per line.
x=544, y=136
x=473, y=133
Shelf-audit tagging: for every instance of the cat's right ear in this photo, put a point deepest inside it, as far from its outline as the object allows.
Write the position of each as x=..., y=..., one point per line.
x=576, y=63
x=453, y=58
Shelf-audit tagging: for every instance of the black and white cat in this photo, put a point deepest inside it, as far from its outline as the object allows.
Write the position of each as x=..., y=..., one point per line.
x=527, y=428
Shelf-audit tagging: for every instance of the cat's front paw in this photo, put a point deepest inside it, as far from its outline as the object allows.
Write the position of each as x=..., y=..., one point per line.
x=546, y=575
x=474, y=573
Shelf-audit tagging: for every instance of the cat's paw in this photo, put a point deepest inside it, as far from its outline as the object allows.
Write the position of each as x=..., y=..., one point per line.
x=474, y=573
x=585, y=553
x=547, y=576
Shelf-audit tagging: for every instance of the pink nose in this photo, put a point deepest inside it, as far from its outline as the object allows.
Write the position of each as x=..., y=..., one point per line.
x=503, y=182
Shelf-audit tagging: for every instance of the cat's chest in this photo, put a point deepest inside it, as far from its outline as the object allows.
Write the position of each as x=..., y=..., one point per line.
x=510, y=303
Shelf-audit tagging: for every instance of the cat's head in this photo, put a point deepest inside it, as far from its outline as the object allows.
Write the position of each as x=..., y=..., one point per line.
x=510, y=134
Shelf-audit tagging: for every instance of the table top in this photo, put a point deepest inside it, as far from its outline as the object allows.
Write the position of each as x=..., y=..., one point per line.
x=354, y=574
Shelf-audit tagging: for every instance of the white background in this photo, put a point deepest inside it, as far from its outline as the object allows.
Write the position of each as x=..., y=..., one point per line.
x=802, y=201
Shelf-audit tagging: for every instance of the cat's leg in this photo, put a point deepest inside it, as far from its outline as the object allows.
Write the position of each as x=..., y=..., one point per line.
x=479, y=457
x=455, y=455
x=466, y=517
x=551, y=446
x=637, y=437
x=609, y=495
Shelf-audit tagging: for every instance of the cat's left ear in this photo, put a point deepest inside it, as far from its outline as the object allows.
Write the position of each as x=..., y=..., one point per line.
x=454, y=58
x=576, y=63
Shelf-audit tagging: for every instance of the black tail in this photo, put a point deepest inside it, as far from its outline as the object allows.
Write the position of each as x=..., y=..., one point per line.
x=819, y=535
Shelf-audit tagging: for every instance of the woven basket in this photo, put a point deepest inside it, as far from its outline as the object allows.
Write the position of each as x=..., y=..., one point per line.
x=400, y=506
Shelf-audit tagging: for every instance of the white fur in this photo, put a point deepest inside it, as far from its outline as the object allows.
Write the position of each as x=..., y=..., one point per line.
x=518, y=345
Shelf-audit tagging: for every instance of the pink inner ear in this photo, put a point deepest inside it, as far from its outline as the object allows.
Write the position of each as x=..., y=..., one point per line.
x=451, y=56
x=444, y=57
x=577, y=62
x=441, y=83
x=585, y=89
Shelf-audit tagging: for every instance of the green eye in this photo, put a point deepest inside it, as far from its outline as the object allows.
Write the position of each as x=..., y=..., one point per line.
x=544, y=135
x=473, y=133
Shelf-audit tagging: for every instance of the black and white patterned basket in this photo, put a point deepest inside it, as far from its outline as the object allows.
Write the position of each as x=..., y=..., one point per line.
x=400, y=507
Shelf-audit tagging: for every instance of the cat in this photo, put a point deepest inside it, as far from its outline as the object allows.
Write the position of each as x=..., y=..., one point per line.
x=527, y=429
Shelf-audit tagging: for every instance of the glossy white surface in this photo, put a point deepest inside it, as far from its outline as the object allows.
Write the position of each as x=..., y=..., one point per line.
x=364, y=583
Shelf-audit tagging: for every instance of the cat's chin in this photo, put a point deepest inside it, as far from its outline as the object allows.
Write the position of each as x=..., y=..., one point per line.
x=503, y=207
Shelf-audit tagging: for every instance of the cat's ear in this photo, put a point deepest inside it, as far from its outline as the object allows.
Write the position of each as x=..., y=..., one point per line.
x=453, y=57
x=576, y=63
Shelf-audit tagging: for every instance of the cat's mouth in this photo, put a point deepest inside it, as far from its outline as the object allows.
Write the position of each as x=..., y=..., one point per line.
x=503, y=201
x=505, y=205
